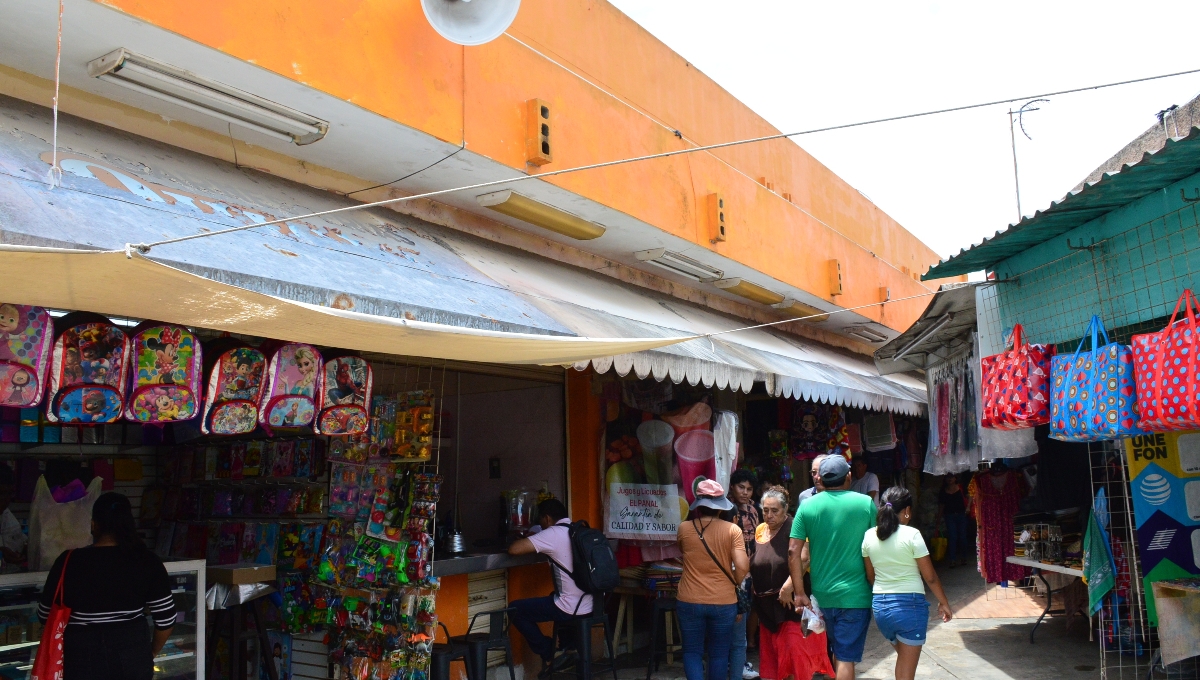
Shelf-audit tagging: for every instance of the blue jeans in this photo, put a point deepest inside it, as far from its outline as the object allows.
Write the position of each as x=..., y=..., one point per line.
x=956, y=537
x=706, y=628
x=528, y=614
x=737, y=648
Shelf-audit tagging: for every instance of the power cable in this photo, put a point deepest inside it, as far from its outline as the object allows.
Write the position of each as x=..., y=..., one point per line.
x=145, y=247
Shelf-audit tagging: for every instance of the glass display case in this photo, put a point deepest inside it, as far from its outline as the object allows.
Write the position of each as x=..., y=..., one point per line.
x=181, y=658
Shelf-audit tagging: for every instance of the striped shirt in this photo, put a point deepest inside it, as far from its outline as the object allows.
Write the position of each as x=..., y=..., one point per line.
x=110, y=584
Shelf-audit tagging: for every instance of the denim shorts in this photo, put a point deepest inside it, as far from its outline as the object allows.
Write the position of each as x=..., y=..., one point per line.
x=847, y=631
x=902, y=617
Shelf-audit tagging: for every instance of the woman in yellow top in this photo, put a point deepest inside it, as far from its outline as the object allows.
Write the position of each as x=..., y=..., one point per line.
x=897, y=560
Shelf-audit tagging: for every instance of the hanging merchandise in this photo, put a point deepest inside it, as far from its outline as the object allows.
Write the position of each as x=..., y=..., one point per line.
x=1016, y=385
x=235, y=379
x=56, y=525
x=819, y=429
x=995, y=499
x=165, y=370
x=88, y=373
x=293, y=382
x=342, y=404
x=954, y=437
x=777, y=442
x=879, y=432
x=1093, y=395
x=725, y=436
x=1166, y=372
x=26, y=335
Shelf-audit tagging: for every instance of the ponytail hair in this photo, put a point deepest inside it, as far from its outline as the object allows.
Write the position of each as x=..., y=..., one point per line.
x=113, y=516
x=891, y=504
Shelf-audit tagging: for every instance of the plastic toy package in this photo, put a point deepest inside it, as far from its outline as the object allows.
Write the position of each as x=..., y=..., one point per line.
x=344, y=482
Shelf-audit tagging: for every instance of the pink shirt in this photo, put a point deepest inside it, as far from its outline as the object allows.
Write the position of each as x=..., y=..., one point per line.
x=555, y=543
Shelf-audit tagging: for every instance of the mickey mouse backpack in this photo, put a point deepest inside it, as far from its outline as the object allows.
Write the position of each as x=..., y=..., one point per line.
x=235, y=384
x=165, y=369
x=345, y=395
x=293, y=382
x=89, y=370
x=26, y=335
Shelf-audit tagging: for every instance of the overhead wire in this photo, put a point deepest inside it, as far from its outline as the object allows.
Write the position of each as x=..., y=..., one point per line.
x=146, y=247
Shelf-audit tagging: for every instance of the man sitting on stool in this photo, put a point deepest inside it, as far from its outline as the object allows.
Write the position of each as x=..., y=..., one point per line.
x=567, y=601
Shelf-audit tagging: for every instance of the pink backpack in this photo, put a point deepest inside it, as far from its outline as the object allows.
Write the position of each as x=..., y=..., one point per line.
x=165, y=366
x=292, y=384
x=26, y=335
x=88, y=371
x=345, y=396
x=235, y=390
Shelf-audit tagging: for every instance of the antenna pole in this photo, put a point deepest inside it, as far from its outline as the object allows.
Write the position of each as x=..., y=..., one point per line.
x=1016, y=177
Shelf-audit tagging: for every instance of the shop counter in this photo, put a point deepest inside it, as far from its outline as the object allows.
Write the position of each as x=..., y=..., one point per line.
x=473, y=563
x=181, y=657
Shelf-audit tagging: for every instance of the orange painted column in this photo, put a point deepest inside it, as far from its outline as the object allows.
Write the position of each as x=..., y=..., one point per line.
x=452, y=611
x=532, y=580
x=585, y=433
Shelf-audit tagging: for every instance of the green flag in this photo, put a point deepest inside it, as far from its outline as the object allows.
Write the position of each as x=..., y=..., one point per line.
x=1097, y=564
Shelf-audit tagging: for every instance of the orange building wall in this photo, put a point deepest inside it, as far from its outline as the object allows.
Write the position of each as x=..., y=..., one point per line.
x=624, y=95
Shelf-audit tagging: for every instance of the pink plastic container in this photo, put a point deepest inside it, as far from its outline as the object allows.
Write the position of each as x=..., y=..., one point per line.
x=696, y=451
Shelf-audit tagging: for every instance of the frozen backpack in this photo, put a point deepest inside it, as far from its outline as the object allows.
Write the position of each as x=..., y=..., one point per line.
x=26, y=335
x=291, y=386
x=88, y=370
x=345, y=394
x=165, y=373
x=235, y=384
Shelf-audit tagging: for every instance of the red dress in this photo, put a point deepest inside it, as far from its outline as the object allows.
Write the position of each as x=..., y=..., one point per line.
x=994, y=509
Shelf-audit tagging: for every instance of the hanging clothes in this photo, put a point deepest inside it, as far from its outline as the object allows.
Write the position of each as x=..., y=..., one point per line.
x=953, y=419
x=996, y=498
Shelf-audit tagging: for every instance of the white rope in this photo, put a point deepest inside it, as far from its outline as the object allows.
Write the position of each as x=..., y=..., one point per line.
x=55, y=173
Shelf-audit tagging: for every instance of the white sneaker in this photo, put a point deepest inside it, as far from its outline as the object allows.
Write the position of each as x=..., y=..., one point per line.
x=748, y=672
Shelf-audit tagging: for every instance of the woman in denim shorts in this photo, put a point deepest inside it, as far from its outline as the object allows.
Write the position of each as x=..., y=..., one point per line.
x=897, y=560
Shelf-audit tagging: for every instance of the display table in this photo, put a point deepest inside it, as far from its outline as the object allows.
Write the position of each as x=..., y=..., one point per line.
x=1038, y=569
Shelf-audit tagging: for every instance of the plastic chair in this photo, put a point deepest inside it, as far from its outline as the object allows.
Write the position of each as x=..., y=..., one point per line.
x=444, y=654
x=479, y=644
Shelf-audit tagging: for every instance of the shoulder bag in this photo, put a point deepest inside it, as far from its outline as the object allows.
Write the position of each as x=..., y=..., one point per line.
x=743, y=597
x=49, y=662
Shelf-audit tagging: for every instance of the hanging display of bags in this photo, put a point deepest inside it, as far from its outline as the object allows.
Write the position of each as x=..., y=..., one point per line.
x=1016, y=385
x=1166, y=373
x=1093, y=396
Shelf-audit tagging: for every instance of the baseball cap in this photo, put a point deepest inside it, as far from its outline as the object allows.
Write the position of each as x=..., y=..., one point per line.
x=834, y=470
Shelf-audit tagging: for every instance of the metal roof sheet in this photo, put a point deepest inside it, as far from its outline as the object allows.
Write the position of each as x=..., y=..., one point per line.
x=1179, y=158
x=953, y=300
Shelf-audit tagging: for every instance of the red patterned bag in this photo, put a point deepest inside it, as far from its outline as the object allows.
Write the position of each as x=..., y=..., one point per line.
x=1016, y=385
x=1164, y=368
x=48, y=664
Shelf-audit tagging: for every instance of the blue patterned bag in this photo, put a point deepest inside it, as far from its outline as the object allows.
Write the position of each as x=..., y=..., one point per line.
x=1092, y=395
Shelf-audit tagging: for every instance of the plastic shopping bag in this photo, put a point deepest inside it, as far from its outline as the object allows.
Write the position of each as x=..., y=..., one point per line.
x=1164, y=365
x=811, y=617
x=1016, y=385
x=1092, y=398
x=937, y=547
x=56, y=527
x=48, y=665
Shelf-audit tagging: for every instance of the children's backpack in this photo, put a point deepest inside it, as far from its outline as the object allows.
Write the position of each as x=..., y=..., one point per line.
x=235, y=385
x=345, y=394
x=88, y=370
x=292, y=383
x=165, y=374
x=26, y=335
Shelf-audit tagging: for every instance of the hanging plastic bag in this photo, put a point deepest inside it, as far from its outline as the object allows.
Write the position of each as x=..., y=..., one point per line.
x=811, y=617
x=1092, y=398
x=48, y=665
x=55, y=527
x=725, y=437
x=1166, y=372
x=1016, y=385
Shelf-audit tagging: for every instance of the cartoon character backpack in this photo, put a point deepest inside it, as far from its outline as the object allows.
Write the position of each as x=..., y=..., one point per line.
x=345, y=394
x=235, y=384
x=89, y=370
x=26, y=335
x=292, y=384
x=165, y=373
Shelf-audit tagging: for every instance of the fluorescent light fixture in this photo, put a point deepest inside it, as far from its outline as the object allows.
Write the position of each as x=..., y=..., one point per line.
x=750, y=291
x=540, y=215
x=679, y=264
x=793, y=308
x=865, y=333
x=937, y=325
x=196, y=93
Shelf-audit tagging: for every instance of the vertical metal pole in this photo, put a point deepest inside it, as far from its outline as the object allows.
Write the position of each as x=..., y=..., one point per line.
x=1016, y=178
x=457, y=448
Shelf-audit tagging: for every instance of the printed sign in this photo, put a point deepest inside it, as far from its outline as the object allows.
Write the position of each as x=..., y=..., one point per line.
x=642, y=511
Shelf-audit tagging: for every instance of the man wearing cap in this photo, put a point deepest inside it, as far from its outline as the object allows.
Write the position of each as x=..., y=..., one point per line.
x=816, y=480
x=827, y=537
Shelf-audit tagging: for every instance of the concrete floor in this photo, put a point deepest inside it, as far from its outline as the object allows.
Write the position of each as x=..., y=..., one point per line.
x=979, y=648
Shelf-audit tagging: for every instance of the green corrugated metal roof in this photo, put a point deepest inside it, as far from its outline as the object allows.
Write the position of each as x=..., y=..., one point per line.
x=1178, y=159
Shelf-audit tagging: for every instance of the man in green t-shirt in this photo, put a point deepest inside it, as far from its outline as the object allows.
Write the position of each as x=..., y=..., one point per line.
x=827, y=536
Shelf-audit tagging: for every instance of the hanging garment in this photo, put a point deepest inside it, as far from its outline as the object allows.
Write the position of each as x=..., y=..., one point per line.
x=996, y=500
x=943, y=421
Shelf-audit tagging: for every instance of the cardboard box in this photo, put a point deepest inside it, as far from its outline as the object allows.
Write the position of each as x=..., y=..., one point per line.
x=237, y=574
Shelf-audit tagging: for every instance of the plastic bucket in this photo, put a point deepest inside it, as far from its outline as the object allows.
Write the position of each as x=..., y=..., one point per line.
x=697, y=417
x=696, y=452
x=655, y=437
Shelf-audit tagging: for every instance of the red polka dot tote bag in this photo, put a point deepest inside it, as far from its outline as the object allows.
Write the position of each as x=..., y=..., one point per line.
x=1165, y=371
x=1016, y=385
x=1092, y=397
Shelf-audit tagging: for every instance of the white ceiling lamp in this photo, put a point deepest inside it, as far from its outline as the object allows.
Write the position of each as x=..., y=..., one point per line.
x=470, y=22
x=865, y=333
x=202, y=95
x=679, y=264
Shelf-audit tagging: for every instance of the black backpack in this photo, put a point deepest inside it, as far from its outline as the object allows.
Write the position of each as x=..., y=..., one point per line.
x=596, y=569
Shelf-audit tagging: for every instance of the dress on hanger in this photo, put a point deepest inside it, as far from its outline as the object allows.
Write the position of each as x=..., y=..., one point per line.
x=995, y=504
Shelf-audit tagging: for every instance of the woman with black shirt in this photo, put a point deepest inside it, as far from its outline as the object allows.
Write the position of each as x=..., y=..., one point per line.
x=953, y=502
x=110, y=586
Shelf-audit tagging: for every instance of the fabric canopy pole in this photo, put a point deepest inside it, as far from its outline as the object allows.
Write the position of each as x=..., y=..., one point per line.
x=131, y=285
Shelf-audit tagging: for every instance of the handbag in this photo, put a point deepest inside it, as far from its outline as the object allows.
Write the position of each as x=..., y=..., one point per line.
x=937, y=547
x=1093, y=396
x=48, y=665
x=743, y=597
x=1164, y=366
x=1016, y=385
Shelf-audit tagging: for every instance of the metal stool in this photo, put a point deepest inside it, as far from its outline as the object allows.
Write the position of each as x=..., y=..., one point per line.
x=581, y=628
x=479, y=644
x=664, y=614
x=445, y=654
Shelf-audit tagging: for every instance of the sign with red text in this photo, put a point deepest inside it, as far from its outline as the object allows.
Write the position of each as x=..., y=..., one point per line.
x=648, y=512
